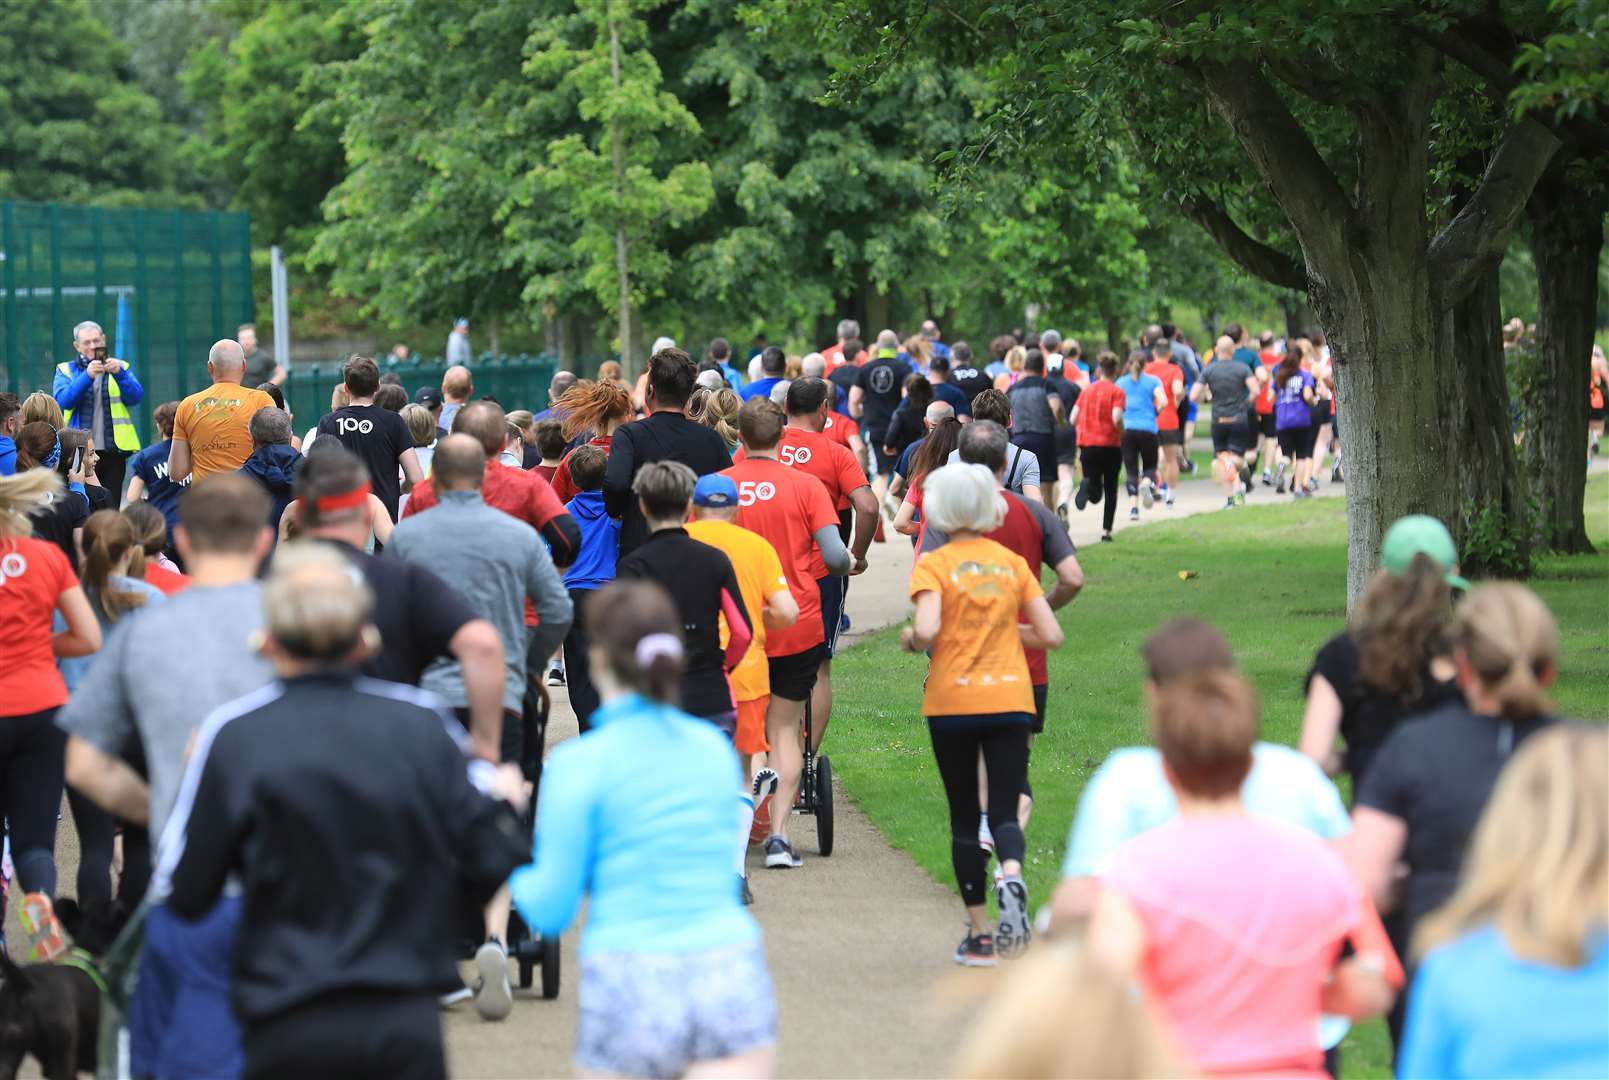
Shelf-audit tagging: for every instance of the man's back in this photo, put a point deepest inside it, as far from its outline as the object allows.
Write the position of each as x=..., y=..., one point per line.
x=212, y=422
x=664, y=436
x=379, y=438
x=788, y=508
x=881, y=380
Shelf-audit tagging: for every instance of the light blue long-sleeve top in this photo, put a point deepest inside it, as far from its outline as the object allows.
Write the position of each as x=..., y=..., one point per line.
x=641, y=814
x=1478, y=1010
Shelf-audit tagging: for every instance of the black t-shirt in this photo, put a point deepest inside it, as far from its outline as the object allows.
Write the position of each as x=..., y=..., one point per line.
x=694, y=574
x=377, y=436
x=844, y=377
x=1435, y=773
x=904, y=428
x=970, y=381
x=55, y=522
x=883, y=381
x=1366, y=716
x=664, y=436
x=416, y=613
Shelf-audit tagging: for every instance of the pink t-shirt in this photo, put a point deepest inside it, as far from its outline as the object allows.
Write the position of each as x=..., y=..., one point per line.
x=1245, y=918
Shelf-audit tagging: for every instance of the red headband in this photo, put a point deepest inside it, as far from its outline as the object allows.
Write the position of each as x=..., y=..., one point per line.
x=353, y=499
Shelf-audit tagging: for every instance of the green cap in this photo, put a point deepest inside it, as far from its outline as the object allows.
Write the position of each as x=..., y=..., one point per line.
x=1419, y=534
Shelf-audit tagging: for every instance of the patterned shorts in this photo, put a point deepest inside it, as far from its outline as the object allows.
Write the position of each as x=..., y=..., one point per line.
x=655, y=1014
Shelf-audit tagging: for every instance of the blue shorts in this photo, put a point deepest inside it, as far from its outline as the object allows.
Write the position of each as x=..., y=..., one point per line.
x=180, y=1023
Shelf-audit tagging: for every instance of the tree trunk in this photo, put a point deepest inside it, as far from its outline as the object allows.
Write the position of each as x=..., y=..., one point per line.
x=1299, y=321
x=628, y=350
x=1114, y=335
x=1493, y=525
x=876, y=314
x=1566, y=238
x=494, y=335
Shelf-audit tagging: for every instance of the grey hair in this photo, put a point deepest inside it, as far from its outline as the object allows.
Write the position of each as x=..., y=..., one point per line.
x=848, y=328
x=269, y=427
x=315, y=605
x=814, y=365
x=1050, y=340
x=779, y=392
x=887, y=339
x=87, y=324
x=963, y=498
x=227, y=355
x=984, y=442
x=939, y=411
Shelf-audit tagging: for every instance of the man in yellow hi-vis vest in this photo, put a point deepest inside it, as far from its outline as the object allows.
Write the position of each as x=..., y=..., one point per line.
x=95, y=392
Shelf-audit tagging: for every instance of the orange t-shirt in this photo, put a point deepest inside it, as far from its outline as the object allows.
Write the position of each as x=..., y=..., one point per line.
x=787, y=507
x=33, y=575
x=214, y=423
x=759, y=575
x=979, y=667
x=1166, y=371
x=828, y=461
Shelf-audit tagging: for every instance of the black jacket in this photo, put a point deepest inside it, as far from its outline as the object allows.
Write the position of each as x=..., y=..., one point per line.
x=661, y=437
x=345, y=806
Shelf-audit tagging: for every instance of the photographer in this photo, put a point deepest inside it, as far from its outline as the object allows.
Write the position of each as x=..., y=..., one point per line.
x=95, y=392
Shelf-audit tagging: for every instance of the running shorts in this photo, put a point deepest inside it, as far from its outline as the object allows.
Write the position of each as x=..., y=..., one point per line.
x=512, y=750
x=794, y=676
x=1596, y=416
x=832, y=608
x=1170, y=437
x=1232, y=437
x=1041, y=694
x=882, y=464
x=1042, y=447
x=1066, y=445
x=654, y=1014
x=750, y=735
x=1296, y=443
x=1269, y=428
x=1320, y=412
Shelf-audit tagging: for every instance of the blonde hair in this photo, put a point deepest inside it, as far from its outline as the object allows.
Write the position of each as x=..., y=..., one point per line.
x=40, y=406
x=1055, y=1013
x=963, y=498
x=340, y=398
x=1538, y=865
x=921, y=350
x=1510, y=640
x=109, y=537
x=22, y=493
x=719, y=411
x=1015, y=356
x=523, y=419
x=421, y=424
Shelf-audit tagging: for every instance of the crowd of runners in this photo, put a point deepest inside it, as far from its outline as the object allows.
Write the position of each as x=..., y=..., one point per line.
x=296, y=690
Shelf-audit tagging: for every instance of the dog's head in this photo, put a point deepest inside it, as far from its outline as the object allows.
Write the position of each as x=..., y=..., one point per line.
x=94, y=927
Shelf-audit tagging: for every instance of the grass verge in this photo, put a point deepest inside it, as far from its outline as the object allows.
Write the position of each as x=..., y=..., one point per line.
x=1272, y=577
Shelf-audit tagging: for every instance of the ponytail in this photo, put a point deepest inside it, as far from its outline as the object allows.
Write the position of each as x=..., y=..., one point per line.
x=1509, y=638
x=108, y=538
x=640, y=634
x=22, y=494
x=586, y=405
x=151, y=529
x=1136, y=363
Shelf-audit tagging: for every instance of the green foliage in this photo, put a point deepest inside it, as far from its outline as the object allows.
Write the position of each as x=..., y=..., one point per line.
x=1567, y=72
x=74, y=125
x=1499, y=545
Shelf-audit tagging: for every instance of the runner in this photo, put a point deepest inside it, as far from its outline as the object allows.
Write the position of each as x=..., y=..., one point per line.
x=1022, y=467
x=718, y=412
x=593, y=411
x=1293, y=422
x=662, y=916
x=793, y=512
x=57, y=517
x=909, y=422
x=1239, y=964
x=1515, y=975
x=148, y=471
x=274, y=461
x=341, y=961
x=594, y=567
x=35, y=582
x=967, y=379
x=839, y=353
x=931, y=453
x=969, y=595
x=155, y=568
x=1144, y=399
x=872, y=401
x=1098, y=416
x=938, y=377
x=1057, y=381
x=184, y=658
x=1229, y=384
x=938, y=412
x=667, y=434
x=1323, y=373
x=1036, y=413
x=209, y=427
x=379, y=437
x=1597, y=397
x=1170, y=436
x=773, y=369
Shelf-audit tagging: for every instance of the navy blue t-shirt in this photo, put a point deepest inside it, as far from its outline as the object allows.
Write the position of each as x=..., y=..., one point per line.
x=954, y=397
x=151, y=466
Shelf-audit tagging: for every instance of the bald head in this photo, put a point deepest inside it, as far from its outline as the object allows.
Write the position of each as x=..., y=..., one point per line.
x=456, y=385
x=459, y=463
x=813, y=366
x=938, y=412
x=1224, y=347
x=226, y=360
x=887, y=339
x=485, y=423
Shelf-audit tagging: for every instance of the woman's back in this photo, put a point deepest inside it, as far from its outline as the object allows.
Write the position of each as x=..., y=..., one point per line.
x=33, y=574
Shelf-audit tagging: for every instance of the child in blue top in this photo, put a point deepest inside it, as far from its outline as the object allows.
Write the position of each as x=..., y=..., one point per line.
x=654, y=857
x=594, y=567
x=1143, y=398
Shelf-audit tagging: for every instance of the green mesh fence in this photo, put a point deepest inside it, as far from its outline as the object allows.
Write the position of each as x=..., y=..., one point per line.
x=165, y=284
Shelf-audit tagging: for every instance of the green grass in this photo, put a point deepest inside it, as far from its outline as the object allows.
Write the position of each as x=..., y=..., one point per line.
x=1272, y=577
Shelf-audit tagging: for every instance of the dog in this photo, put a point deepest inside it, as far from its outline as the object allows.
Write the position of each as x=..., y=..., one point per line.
x=53, y=1011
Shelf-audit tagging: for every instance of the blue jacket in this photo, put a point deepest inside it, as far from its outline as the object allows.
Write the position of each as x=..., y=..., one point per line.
x=8, y=456
x=274, y=467
x=70, y=393
x=594, y=565
x=654, y=855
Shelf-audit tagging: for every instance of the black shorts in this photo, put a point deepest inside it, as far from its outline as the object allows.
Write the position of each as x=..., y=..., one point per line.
x=512, y=750
x=1320, y=413
x=1066, y=445
x=1041, y=693
x=1170, y=437
x=1267, y=422
x=882, y=463
x=794, y=676
x=1297, y=443
x=1596, y=416
x=1233, y=437
x=832, y=591
x=1042, y=447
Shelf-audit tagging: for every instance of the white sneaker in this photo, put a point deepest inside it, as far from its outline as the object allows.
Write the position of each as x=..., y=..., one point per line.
x=1147, y=495
x=494, y=999
x=985, y=838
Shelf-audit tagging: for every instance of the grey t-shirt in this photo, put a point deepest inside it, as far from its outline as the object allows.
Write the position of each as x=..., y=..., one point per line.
x=260, y=367
x=165, y=670
x=1226, y=379
x=1022, y=467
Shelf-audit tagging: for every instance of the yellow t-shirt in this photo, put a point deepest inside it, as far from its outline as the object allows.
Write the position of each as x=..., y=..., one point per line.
x=214, y=423
x=759, y=575
x=978, y=665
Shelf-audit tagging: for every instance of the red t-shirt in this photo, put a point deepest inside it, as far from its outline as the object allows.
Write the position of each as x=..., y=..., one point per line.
x=840, y=429
x=33, y=575
x=1166, y=371
x=1095, y=405
x=168, y=581
x=817, y=454
x=1020, y=533
x=546, y=472
x=1265, y=397
x=787, y=507
x=563, y=487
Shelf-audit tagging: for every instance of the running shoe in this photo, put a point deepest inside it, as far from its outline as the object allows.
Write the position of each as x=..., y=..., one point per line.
x=976, y=950
x=1245, y=475
x=1268, y=478
x=744, y=893
x=1279, y=488
x=1080, y=497
x=1167, y=500
x=985, y=838
x=494, y=998
x=1106, y=538
x=39, y=923
x=779, y=855
x=843, y=623
x=555, y=676
x=1230, y=504
x=1335, y=475
x=462, y=994
x=1312, y=484
x=1134, y=513
x=1240, y=498
x=1011, y=896
x=1147, y=494
x=1188, y=466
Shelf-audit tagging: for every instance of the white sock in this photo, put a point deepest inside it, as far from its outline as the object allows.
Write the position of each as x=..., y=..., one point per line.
x=745, y=820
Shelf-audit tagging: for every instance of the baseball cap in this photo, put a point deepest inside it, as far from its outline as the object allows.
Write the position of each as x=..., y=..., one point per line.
x=1419, y=534
x=715, y=490
x=460, y=323
x=428, y=396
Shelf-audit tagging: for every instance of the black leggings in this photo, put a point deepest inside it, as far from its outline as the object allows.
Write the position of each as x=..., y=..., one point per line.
x=1101, y=465
x=577, y=673
x=1005, y=759
x=349, y=1034
x=1139, y=451
x=96, y=829
x=32, y=756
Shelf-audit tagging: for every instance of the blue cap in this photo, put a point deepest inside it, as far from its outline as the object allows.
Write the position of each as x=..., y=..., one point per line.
x=715, y=490
x=460, y=322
